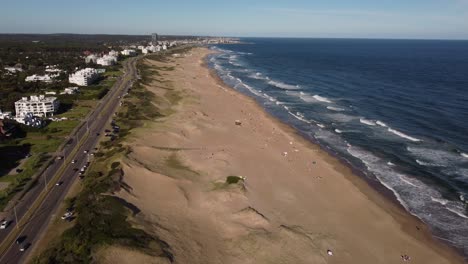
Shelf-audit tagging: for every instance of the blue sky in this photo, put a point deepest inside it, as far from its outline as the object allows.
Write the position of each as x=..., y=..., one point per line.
x=440, y=19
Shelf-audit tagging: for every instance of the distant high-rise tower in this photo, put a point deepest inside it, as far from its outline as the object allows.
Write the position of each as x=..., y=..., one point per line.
x=154, y=38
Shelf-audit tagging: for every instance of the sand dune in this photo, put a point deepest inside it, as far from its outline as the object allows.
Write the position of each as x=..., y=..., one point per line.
x=295, y=204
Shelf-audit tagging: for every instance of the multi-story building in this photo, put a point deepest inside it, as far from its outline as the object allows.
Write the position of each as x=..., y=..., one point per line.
x=40, y=78
x=70, y=90
x=5, y=115
x=128, y=52
x=91, y=58
x=107, y=60
x=114, y=53
x=84, y=77
x=36, y=105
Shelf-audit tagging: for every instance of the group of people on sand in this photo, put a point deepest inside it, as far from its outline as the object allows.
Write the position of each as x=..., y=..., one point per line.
x=405, y=258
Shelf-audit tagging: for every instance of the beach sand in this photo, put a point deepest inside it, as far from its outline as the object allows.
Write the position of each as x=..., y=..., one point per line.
x=296, y=203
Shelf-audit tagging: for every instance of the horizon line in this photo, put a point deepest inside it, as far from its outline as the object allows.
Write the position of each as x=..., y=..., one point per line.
x=244, y=37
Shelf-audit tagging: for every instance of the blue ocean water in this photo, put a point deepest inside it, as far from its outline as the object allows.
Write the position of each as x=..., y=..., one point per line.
x=397, y=110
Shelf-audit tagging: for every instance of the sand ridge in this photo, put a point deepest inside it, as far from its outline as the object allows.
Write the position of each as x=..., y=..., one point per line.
x=295, y=204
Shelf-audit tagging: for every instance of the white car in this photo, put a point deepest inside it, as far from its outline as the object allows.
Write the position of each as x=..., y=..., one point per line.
x=74, y=161
x=67, y=215
x=4, y=224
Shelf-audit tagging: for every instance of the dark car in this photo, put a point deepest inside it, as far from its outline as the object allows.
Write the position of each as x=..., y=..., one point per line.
x=24, y=246
x=20, y=239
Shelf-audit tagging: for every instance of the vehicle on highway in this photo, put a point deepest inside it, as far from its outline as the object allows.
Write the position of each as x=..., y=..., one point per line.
x=85, y=151
x=24, y=246
x=74, y=161
x=59, y=183
x=75, y=169
x=60, y=157
x=4, y=224
x=98, y=134
x=20, y=240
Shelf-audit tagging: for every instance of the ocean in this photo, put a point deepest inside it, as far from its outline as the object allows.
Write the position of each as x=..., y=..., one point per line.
x=396, y=110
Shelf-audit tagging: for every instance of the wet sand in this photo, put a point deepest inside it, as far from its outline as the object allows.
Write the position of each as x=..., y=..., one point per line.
x=296, y=203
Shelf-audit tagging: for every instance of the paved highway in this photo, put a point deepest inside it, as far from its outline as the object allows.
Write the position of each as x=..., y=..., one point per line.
x=85, y=138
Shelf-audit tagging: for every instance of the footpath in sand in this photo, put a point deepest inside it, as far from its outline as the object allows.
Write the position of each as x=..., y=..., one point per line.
x=296, y=203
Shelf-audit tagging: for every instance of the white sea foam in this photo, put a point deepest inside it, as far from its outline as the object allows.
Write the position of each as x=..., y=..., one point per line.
x=300, y=116
x=283, y=85
x=439, y=200
x=380, y=123
x=342, y=118
x=337, y=109
x=248, y=87
x=408, y=181
x=418, y=198
x=367, y=122
x=464, y=155
x=428, y=164
x=436, y=157
x=320, y=125
x=457, y=212
x=403, y=135
x=322, y=99
x=338, y=131
x=258, y=76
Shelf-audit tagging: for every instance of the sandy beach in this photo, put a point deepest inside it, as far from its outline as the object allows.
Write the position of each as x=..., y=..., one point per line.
x=296, y=202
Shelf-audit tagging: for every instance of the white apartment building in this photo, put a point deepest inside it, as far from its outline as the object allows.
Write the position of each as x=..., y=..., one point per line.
x=5, y=115
x=114, y=53
x=91, y=58
x=107, y=60
x=40, y=78
x=128, y=52
x=70, y=90
x=53, y=69
x=37, y=105
x=84, y=77
x=154, y=48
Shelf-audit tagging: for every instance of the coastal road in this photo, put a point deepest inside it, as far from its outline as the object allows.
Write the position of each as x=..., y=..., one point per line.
x=85, y=139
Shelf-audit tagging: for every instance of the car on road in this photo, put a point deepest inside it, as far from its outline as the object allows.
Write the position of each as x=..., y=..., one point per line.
x=74, y=161
x=4, y=224
x=60, y=157
x=98, y=134
x=24, y=246
x=75, y=169
x=85, y=151
x=59, y=183
x=20, y=239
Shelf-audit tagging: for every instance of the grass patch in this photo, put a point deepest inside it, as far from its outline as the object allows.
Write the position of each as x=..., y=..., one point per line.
x=233, y=179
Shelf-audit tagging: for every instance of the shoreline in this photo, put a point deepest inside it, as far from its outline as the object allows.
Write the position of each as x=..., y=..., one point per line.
x=375, y=190
x=298, y=201
x=383, y=196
